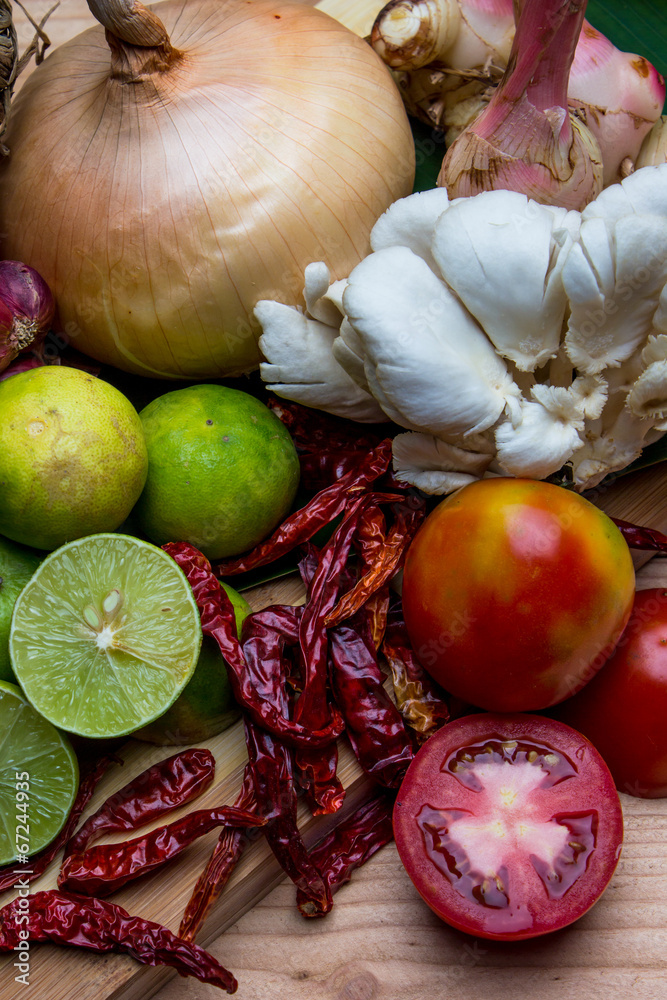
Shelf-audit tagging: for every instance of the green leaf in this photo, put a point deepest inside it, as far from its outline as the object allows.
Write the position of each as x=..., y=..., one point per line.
x=429, y=151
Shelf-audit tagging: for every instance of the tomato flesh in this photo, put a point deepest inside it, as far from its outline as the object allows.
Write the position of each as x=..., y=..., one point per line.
x=623, y=711
x=515, y=592
x=508, y=825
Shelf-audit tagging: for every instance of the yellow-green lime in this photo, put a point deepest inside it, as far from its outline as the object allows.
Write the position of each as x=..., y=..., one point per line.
x=222, y=470
x=17, y=564
x=105, y=636
x=39, y=777
x=207, y=705
x=72, y=456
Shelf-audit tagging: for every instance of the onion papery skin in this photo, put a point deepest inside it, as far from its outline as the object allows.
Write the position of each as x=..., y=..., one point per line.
x=161, y=211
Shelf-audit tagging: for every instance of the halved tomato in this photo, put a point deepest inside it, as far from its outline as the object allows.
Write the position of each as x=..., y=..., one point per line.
x=508, y=825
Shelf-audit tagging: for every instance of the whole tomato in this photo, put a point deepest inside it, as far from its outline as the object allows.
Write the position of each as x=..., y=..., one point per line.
x=624, y=708
x=515, y=592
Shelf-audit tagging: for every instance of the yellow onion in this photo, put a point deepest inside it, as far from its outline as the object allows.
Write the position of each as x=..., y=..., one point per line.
x=168, y=173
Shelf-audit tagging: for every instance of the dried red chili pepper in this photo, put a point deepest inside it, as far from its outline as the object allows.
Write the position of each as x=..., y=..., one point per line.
x=272, y=773
x=266, y=636
x=10, y=875
x=318, y=512
x=371, y=534
x=102, y=869
x=373, y=724
x=317, y=770
x=218, y=620
x=328, y=447
x=270, y=764
x=320, y=469
x=418, y=698
x=157, y=790
x=318, y=432
x=349, y=845
x=370, y=538
x=224, y=858
x=101, y=926
x=638, y=537
x=384, y=563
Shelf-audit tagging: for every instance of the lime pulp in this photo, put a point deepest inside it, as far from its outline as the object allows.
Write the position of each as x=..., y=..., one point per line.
x=39, y=777
x=105, y=636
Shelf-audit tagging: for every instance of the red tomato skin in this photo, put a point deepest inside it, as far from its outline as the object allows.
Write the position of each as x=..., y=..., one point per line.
x=423, y=783
x=515, y=592
x=623, y=711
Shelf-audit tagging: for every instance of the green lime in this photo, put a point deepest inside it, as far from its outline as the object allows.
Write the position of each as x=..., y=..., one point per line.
x=72, y=456
x=17, y=564
x=105, y=636
x=222, y=470
x=39, y=777
x=207, y=705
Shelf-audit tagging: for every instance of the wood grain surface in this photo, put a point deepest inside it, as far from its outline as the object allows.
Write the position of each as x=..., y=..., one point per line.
x=380, y=942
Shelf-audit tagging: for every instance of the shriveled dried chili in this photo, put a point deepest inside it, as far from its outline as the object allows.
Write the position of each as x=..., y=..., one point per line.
x=317, y=770
x=271, y=768
x=271, y=763
x=418, y=698
x=157, y=790
x=316, y=514
x=101, y=926
x=102, y=869
x=316, y=432
x=349, y=845
x=370, y=539
x=638, y=537
x=373, y=724
x=218, y=620
x=383, y=564
x=320, y=469
x=219, y=868
x=91, y=774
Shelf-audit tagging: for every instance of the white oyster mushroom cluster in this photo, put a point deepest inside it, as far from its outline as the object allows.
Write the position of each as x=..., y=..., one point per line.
x=505, y=336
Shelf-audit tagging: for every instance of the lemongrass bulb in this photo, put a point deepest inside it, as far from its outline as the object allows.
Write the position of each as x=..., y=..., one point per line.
x=162, y=189
x=618, y=95
x=525, y=140
x=408, y=34
x=654, y=147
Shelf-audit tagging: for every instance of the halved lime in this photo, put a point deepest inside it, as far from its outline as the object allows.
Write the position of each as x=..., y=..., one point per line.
x=39, y=777
x=105, y=636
